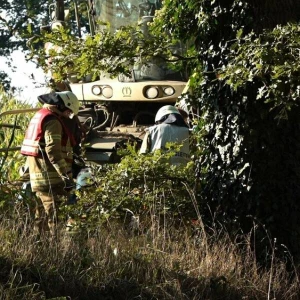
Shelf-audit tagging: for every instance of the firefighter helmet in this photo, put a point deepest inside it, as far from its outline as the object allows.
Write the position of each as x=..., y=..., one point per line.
x=166, y=110
x=70, y=101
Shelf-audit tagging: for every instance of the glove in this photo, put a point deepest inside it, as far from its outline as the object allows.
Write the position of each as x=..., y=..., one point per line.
x=69, y=183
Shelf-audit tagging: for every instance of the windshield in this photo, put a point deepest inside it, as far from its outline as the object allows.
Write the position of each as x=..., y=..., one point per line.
x=129, y=13
x=123, y=13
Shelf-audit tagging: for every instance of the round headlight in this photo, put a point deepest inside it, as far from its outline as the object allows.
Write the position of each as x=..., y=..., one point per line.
x=152, y=92
x=107, y=92
x=169, y=91
x=96, y=90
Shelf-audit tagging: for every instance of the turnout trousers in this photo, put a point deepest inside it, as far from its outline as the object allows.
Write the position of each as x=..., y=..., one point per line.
x=46, y=212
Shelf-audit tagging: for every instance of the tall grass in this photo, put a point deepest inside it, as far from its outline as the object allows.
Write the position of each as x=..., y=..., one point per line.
x=12, y=130
x=112, y=262
x=155, y=258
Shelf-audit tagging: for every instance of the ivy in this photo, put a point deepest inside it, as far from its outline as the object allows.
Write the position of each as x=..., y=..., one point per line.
x=246, y=90
x=273, y=59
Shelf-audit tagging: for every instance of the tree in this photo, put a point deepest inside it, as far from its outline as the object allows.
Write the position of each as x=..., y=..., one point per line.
x=4, y=81
x=15, y=19
x=247, y=88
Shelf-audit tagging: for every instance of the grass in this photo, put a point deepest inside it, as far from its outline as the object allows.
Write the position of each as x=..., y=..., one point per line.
x=113, y=262
x=160, y=260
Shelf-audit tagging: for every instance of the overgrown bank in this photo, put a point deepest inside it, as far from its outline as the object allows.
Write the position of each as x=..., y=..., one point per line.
x=112, y=263
x=137, y=233
x=246, y=89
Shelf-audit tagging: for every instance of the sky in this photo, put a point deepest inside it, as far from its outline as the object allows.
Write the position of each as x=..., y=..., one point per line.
x=22, y=78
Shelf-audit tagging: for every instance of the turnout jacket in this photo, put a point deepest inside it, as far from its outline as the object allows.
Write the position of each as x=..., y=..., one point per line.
x=48, y=147
x=158, y=135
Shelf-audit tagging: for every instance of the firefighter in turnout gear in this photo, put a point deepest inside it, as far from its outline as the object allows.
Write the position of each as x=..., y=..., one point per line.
x=48, y=146
x=169, y=127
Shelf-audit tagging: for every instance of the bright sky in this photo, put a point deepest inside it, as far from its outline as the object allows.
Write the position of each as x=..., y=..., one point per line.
x=22, y=78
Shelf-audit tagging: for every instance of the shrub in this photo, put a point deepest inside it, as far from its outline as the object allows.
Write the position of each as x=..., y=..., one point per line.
x=137, y=186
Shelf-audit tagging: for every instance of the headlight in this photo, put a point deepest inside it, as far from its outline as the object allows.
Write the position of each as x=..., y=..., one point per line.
x=96, y=90
x=107, y=92
x=169, y=91
x=152, y=92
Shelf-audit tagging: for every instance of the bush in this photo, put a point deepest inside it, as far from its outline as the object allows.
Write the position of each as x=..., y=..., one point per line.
x=138, y=186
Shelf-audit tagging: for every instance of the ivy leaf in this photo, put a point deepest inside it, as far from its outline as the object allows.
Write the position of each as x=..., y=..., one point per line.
x=239, y=33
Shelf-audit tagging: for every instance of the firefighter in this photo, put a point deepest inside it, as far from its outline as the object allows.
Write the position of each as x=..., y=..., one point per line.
x=169, y=127
x=48, y=146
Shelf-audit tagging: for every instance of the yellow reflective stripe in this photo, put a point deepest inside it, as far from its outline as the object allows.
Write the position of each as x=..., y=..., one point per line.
x=45, y=182
x=52, y=138
x=35, y=176
x=56, y=136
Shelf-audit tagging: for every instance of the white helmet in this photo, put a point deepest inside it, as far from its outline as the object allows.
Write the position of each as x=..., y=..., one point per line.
x=166, y=110
x=70, y=101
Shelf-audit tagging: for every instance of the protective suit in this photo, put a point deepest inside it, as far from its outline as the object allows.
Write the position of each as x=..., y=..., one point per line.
x=169, y=127
x=48, y=146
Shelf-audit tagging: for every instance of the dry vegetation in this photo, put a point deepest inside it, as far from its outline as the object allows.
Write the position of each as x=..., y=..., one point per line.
x=160, y=260
x=115, y=263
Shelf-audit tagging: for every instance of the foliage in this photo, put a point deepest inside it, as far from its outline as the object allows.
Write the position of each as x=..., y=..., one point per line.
x=246, y=88
x=5, y=81
x=272, y=60
x=137, y=186
x=73, y=55
x=245, y=55
x=16, y=17
x=11, y=137
x=105, y=52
